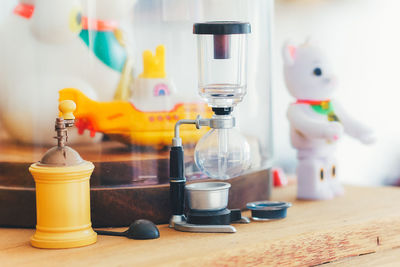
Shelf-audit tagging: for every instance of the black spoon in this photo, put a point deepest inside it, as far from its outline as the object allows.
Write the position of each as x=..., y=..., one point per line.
x=139, y=229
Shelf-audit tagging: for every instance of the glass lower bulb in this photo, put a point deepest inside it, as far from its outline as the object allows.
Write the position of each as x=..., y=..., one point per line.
x=222, y=153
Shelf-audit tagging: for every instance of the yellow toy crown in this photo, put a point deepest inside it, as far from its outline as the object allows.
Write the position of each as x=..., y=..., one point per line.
x=154, y=66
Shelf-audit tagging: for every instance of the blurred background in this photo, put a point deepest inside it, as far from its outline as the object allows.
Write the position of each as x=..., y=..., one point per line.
x=362, y=41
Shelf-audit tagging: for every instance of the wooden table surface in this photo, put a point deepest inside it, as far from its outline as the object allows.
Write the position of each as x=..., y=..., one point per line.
x=361, y=228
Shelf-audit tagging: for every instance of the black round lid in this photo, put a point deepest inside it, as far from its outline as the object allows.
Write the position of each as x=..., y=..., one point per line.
x=222, y=27
x=143, y=229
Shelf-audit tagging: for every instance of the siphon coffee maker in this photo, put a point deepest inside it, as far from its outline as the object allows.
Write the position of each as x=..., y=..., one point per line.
x=223, y=152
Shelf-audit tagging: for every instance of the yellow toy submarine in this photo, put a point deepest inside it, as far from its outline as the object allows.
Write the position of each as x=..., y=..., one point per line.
x=148, y=119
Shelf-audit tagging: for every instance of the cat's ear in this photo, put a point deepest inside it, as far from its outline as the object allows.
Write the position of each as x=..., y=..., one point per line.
x=289, y=53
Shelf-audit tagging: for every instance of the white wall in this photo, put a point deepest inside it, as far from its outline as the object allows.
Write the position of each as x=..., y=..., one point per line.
x=362, y=38
x=6, y=6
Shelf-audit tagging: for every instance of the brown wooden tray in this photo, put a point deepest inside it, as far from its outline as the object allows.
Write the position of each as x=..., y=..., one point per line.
x=127, y=184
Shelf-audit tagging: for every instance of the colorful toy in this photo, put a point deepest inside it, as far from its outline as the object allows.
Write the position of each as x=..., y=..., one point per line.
x=63, y=192
x=111, y=68
x=148, y=119
x=123, y=122
x=43, y=49
x=38, y=56
x=152, y=90
x=317, y=122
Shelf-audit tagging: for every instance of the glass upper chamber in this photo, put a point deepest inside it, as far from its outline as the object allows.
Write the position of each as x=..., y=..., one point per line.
x=222, y=61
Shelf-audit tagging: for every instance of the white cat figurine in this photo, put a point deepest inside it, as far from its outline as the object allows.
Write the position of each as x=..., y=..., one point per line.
x=317, y=122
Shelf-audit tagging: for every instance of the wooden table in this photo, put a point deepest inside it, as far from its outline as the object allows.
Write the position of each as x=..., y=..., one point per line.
x=361, y=228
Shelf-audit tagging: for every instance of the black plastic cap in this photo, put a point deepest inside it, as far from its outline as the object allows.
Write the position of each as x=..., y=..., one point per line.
x=222, y=27
x=222, y=111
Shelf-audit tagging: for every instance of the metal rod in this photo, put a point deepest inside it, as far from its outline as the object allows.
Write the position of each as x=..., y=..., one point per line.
x=179, y=123
x=61, y=126
x=177, y=141
x=61, y=132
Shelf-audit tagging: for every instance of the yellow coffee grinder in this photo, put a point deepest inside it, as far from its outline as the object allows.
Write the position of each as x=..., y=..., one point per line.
x=63, y=192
